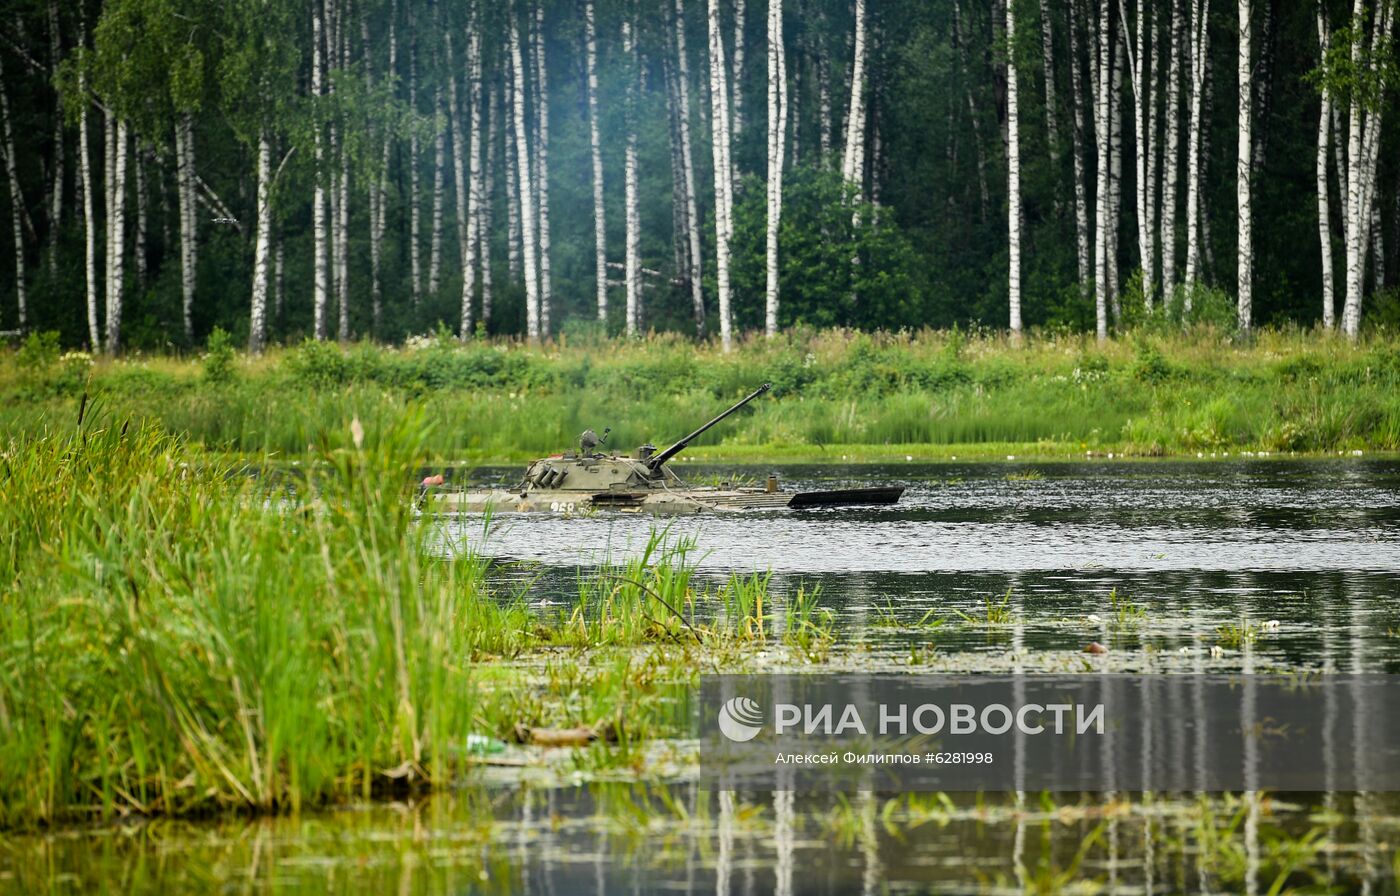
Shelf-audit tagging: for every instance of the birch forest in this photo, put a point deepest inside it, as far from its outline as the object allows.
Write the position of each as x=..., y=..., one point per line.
x=375, y=169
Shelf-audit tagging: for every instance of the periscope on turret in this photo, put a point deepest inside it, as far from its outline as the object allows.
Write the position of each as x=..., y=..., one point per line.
x=590, y=480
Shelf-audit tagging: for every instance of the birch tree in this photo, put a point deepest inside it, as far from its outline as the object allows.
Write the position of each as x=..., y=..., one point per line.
x=484, y=207
x=514, y=236
x=777, y=124
x=633, y=219
x=257, y=319
x=1087, y=277
x=736, y=81
x=542, y=167
x=189, y=219
x=473, y=237
x=1200, y=32
x=723, y=177
x=440, y=129
x=855, y=117
x=340, y=138
x=56, y=187
x=692, y=214
x=462, y=207
x=116, y=229
x=1324, y=201
x=16, y=199
x=1171, y=158
x=86, y=181
x=320, y=233
x=1365, y=80
x=595, y=144
x=1142, y=123
x=1244, y=168
x=527, y=199
x=1013, y=172
x=414, y=150
x=1047, y=53
x=1102, y=88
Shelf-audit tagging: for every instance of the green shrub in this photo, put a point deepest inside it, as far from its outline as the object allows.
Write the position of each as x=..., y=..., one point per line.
x=39, y=352
x=218, y=358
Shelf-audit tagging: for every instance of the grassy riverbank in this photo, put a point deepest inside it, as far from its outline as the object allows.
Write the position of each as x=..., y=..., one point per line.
x=868, y=397
x=180, y=640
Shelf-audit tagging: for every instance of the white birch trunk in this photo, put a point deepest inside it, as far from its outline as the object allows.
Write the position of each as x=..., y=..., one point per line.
x=1244, y=168
x=1013, y=173
x=1200, y=14
x=824, y=106
x=1103, y=77
x=855, y=118
x=109, y=172
x=723, y=178
x=527, y=199
x=542, y=169
x=1355, y=249
x=697, y=287
x=440, y=121
x=189, y=219
x=89, y=219
x=117, y=226
x=736, y=81
x=1324, y=204
x=379, y=190
x=1047, y=54
x=342, y=245
x=514, y=237
x=320, y=233
x=1115, y=176
x=1154, y=154
x=16, y=203
x=1363, y=140
x=1142, y=123
x=1171, y=158
x=462, y=207
x=474, y=189
x=485, y=205
x=633, y=220
x=680, y=256
x=59, y=149
x=777, y=126
x=1081, y=191
x=138, y=253
x=600, y=235
x=415, y=264
x=279, y=265
x=257, y=317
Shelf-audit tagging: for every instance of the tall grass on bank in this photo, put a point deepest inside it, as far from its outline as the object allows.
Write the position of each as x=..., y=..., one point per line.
x=1148, y=394
x=179, y=637
x=177, y=640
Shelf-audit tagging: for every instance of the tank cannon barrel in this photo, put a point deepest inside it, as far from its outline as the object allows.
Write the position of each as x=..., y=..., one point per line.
x=655, y=463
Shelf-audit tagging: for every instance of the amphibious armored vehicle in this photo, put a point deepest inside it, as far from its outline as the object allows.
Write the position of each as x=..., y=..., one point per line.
x=588, y=480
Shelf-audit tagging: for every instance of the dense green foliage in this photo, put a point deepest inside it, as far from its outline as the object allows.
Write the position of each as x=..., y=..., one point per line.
x=935, y=254
x=932, y=392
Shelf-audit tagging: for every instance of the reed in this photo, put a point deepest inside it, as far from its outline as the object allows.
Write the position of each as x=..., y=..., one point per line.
x=182, y=637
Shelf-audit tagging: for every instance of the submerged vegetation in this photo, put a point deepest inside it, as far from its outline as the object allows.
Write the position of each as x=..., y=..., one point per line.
x=837, y=395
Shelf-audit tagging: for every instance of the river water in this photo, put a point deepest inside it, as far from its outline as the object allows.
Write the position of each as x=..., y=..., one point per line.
x=1151, y=559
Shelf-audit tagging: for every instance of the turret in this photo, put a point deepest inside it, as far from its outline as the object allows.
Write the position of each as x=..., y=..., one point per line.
x=595, y=472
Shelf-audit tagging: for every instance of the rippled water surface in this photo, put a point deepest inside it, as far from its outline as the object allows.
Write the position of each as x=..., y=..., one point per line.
x=1151, y=559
